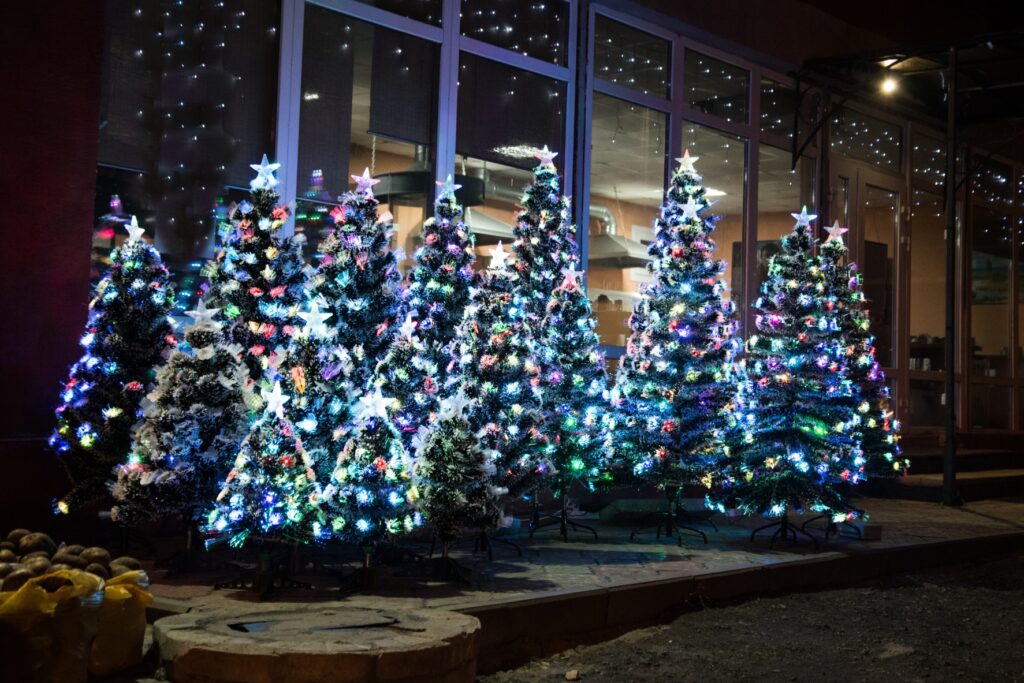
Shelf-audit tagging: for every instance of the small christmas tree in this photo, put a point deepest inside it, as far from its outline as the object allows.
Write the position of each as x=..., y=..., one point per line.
x=126, y=336
x=502, y=379
x=257, y=278
x=796, y=408
x=675, y=383
x=194, y=420
x=456, y=471
x=271, y=493
x=370, y=496
x=409, y=372
x=879, y=429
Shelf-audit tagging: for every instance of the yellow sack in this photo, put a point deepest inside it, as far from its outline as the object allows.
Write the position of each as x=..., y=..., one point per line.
x=121, y=626
x=45, y=634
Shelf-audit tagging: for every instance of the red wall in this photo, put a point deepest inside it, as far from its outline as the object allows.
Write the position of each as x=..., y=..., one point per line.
x=51, y=86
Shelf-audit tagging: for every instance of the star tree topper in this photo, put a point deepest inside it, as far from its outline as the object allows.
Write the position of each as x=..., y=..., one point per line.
x=499, y=258
x=686, y=162
x=407, y=328
x=275, y=400
x=203, y=316
x=835, y=233
x=134, y=231
x=571, y=277
x=372, y=406
x=546, y=156
x=314, y=319
x=264, y=179
x=803, y=219
x=448, y=186
x=364, y=183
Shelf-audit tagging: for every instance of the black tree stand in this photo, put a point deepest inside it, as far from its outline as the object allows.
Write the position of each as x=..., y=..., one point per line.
x=272, y=572
x=444, y=567
x=538, y=522
x=667, y=520
x=785, y=530
x=834, y=527
x=362, y=578
x=484, y=542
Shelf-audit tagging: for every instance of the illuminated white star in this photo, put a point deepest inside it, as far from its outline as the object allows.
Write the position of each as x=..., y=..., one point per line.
x=372, y=406
x=835, y=233
x=686, y=162
x=453, y=406
x=364, y=183
x=203, y=316
x=803, y=219
x=571, y=277
x=275, y=400
x=407, y=328
x=499, y=258
x=447, y=187
x=134, y=231
x=314, y=320
x=691, y=208
x=264, y=179
x=546, y=156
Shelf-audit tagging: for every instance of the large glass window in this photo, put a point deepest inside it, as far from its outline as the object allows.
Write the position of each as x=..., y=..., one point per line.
x=990, y=406
x=369, y=100
x=777, y=101
x=928, y=162
x=993, y=182
x=428, y=11
x=716, y=87
x=632, y=58
x=189, y=92
x=927, y=328
x=535, y=29
x=866, y=138
x=627, y=184
x=505, y=116
x=990, y=293
x=881, y=215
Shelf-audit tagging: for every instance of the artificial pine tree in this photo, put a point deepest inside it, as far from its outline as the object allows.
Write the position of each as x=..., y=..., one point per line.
x=257, y=278
x=575, y=391
x=501, y=378
x=455, y=470
x=193, y=422
x=675, y=384
x=126, y=336
x=370, y=495
x=270, y=493
x=410, y=371
x=879, y=429
x=795, y=406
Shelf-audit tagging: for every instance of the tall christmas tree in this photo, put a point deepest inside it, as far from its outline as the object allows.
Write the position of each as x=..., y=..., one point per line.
x=370, y=495
x=501, y=377
x=795, y=406
x=675, y=386
x=126, y=336
x=410, y=372
x=545, y=240
x=879, y=429
x=437, y=294
x=271, y=493
x=257, y=278
x=193, y=422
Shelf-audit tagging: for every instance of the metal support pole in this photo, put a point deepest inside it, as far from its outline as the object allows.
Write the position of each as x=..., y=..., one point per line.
x=949, y=493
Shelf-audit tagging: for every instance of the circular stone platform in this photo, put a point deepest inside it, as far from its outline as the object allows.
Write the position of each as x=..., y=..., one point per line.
x=290, y=643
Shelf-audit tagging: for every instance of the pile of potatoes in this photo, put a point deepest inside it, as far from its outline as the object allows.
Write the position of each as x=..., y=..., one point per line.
x=25, y=555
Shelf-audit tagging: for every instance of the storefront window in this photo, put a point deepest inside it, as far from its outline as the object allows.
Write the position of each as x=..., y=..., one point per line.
x=630, y=57
x=990, y=406
x=993, y=182
x=534, y=29
x=627, y=185
x=990, y=293
x=927, y=327
x=717, y=88
x=865, y=138
x=928, y=162
x=927, y=403
x=189, y=92
x=881, y=215
x=776, y=108
x=505, y=116
x=369, y=100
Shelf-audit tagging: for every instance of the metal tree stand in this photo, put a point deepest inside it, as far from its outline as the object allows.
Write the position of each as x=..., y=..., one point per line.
x=538, y=522
x=785, y=531
x=361, y=578
x=444, y=567
x=270, y=573
x=668, y=520
x=834, y=527
x=484, y=542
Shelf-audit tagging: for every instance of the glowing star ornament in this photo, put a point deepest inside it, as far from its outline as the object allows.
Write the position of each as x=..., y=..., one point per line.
x=499, y=258
x=546, y=156
x=314, y=320
x=407, y=328
x=835, y=233
x=372, y=406
x=686, y=162
x=134, y=231
x=264, y=179
x=571, y=277
x=364, y=183
x=691, y=208
x=203, y=316
x=453, y=406
x=275, y=400
x=803, y=219
x=448, y=186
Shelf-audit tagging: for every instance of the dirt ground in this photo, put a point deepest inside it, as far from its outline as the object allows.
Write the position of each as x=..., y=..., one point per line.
x=962, y=623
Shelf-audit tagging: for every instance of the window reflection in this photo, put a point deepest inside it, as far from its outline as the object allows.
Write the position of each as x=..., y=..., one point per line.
x=536, y=29
x=777, y=108
x=630, y=57
x=881, y=211
x=928, y=162
x=927, y=281
x=627, y=184
x=993, y=181
x=866, y=138
x=990, y=406
x=715, y=87
x=990, y=283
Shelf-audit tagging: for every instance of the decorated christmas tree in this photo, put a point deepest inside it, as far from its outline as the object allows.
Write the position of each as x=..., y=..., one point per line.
x=126, y=336
x=410, y=371
x=370, y=495
x=795, y=406
x=271, y=493
x=879, y=429
x=545, y=239
x=455, y=471
x=193, y=422
x=501, y=378
x=257, y=278
x=675, y=384
x=436, y=297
